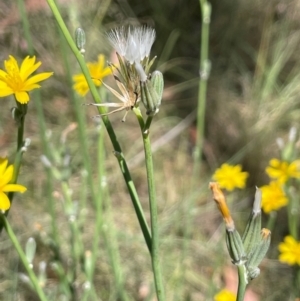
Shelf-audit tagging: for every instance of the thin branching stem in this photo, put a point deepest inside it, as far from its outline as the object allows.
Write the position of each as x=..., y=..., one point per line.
x=153, y=205
x=204, y=75
x=204, y=71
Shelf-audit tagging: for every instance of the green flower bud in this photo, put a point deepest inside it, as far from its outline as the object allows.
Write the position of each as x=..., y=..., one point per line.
x=151, y=92
x=235, y=246
x=259, y=253
x=251, y=236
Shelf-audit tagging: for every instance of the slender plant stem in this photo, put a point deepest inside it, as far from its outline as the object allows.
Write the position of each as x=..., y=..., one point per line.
x=117, y=148
x=22, y=109
x=23, y=258
x=297, y=282
x=204, y=71
x=21, y=124
x=292, y=217
x=272, y=220
x=242, y=273
x=204, y=75
x=153, y=207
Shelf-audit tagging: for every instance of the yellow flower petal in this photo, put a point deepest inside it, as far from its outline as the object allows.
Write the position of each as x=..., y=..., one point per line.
x=32, y=87
x=6, y=91
x=3, y=75
x=14, y=187
x=3, y=165
x=38, y=78
x=28, y=66
x=11, y=63
x=22, y=97
x=4, y=201
x=6, y=175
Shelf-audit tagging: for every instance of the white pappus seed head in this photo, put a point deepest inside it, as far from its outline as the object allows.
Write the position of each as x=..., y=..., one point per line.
x=133, y=43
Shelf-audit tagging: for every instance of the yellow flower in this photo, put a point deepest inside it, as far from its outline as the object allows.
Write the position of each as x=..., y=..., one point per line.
x=16, y=80
x=225, y=295
x=230, y=177
x=6, y=173
x=97, y=71
x=273, y=197
x=282, y=170
x=290, y=251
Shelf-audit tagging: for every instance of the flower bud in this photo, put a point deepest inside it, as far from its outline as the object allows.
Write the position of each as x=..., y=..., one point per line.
x=259, y=253
x=151, y=92
x=235, y=246
x=80, y=39
x=251, y=236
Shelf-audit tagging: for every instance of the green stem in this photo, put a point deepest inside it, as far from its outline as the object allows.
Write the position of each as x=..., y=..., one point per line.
x=153, y=207
x=291, y=209
x=21, y=124
x=23, y=258
x=204, y=71
x=243, y=281
x=204, y=75
x=108, y=126
x=22, y=110
x=297, y=282
x=271, y=220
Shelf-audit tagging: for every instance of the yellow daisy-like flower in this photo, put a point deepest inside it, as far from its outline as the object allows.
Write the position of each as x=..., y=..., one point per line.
x=273, y=197
x=230, y=177
x=225, y=295
x=97, y=71
x=282, y=170
x=6, y=173
x=16, y=80
x=289, y=251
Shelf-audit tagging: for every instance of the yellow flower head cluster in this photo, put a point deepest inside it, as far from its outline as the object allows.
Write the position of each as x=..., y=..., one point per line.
x=282, y=171
x=6, y=173
x=289, y=251
x=18, y=80
x=97, y=71
x=230, y=177
x=225, y=295
x=273, y=197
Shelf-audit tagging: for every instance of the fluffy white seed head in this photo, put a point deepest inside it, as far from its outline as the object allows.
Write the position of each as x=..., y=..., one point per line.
x=134, y=44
